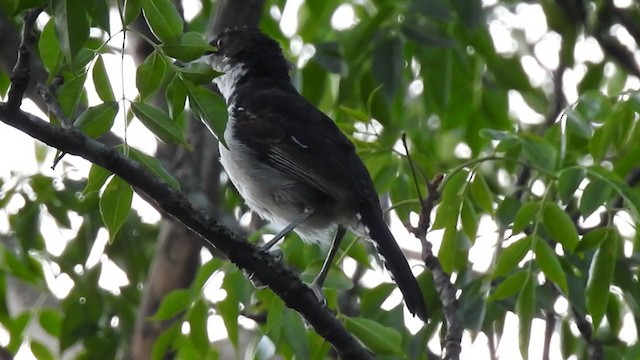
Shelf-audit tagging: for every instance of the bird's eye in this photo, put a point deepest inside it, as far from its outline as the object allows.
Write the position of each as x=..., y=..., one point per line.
x=221, y=42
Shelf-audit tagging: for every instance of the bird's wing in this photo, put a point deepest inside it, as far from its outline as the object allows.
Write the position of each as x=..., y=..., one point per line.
x=297, y=139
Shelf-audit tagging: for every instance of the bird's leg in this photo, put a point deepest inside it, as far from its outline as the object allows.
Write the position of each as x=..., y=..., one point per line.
x=316, y=284
x=308, y=211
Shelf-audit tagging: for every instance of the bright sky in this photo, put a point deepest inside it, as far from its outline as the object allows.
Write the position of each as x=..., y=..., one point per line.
x=527, y=17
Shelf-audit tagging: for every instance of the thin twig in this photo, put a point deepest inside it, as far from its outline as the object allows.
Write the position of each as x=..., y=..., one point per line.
x=549, y=330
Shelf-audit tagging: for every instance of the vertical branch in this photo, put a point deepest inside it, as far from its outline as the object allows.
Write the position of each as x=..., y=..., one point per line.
x=549, y=329
x=22, y=70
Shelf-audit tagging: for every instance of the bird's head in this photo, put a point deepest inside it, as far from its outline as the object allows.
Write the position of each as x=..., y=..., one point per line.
x=248, y=48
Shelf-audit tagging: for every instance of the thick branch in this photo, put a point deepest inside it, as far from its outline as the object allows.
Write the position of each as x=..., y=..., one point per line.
x=283, y=282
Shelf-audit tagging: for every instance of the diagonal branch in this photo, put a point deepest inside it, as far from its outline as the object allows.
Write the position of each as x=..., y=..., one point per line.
x=265, y=267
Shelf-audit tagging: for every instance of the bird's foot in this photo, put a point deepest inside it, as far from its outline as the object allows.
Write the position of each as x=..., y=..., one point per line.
x=277, y=254
x=317, y=291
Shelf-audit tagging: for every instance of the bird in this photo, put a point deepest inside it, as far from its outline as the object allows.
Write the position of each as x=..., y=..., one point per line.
x=291, y=163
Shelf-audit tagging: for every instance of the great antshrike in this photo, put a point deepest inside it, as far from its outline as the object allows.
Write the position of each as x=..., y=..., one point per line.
x=291, y=163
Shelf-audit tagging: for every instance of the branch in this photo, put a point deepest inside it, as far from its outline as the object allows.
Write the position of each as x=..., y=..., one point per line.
x=22, y=70
x=282, y=281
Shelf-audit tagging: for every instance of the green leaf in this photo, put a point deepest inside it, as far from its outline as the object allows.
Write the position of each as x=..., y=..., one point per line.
x=631, y=196
x=159, y=123
x=447, y=214
x=190, y=46
x=176, y=96
x=163, y=19
x=275, y=318
x=115, y=204
x=97, y=120
x=336, y=278
x=548, y=261
x=131, y=11
x=448, y=249
x=198, y=73
x=595, y=194
x=70, y=93
x=172, y=305
x=469, y=220
x=525, y=216
x=97, y=177
x=600, y=277
x=150, y=74
x=539, y=152
x=507, y=210
x=356, y=114
x=204, y=273
x=568, y=182
x=49, y=48
x=51, y=321
x=198, y=316
x=72, y=25
x=381, y=339
x=560, y=226
x=211, y=109
x=101, y=81
x=155, y=166
x=388, y=65
x=510, y=256
x=229, y=309
x=481, y=193
x=162, y=345
x=509, y=286
x=99, y=12
x=594, y=238
x=525, y=309
x=40, y=351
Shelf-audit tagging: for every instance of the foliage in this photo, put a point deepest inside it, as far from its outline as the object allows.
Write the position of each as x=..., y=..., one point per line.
x=559, y=188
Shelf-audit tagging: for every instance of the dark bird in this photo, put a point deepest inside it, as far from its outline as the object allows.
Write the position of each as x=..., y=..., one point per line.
x=290, y=162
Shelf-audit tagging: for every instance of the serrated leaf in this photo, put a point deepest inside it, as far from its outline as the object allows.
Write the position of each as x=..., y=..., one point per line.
x=163, y=19
x=97, y=120
x=525, y=216
x=560, y=226
x=159, y=123
x=509, y=286
x=510, y=256
x=172, y=305
x=600, y=277
x=381, y=339
x=595, y=194
x=150, y=74
x=199, y=73
x=72, y=25
x=525, y=309
x=568, y=182
x=97, y=177
x=101, y=81
x=189, y=46
x=115, y=204
x=211, y=109
x=155, y=166
x=548, y=261
x=481, y=193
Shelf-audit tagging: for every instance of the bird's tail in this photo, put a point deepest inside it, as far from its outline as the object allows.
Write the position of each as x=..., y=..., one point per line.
x=394, y=260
